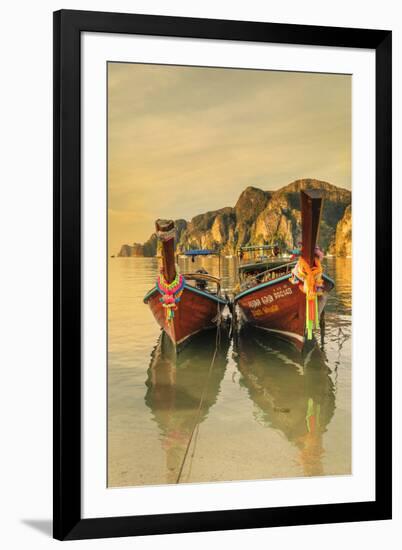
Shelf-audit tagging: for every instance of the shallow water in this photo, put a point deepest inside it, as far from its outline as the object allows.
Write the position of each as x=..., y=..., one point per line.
x=262, y=411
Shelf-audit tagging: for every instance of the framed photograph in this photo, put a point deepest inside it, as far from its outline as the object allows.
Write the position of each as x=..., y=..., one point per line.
x=222, y=245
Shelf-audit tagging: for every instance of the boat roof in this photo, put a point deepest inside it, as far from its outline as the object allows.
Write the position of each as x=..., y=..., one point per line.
x=200, y=252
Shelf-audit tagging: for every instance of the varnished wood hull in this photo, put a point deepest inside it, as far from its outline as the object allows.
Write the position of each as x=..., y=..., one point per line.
x=196, y=311
x=278, y=307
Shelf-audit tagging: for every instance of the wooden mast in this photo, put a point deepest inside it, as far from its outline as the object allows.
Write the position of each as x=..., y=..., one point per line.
x=165, y=231
x=311, y=208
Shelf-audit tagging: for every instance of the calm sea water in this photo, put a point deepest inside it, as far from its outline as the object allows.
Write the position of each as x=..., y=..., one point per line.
x=263, y=411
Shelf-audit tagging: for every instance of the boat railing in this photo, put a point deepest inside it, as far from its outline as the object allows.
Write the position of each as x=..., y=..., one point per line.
x=250, y=281
x=287, y=265
x=203, y=277
x=248, y=262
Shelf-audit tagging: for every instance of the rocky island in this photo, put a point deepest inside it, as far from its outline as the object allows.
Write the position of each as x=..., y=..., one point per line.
x=262, y=217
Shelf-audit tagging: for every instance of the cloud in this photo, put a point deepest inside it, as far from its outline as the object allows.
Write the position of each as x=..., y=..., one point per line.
x=183, y=140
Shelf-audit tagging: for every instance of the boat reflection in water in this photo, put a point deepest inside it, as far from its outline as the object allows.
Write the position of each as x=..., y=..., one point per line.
x=181, y=390
x=293, y=392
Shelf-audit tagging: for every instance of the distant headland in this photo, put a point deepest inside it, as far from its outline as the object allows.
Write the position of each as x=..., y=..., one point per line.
x=262, y=217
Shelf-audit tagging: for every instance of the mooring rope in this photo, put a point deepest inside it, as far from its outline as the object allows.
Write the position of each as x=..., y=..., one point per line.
x=198, y=413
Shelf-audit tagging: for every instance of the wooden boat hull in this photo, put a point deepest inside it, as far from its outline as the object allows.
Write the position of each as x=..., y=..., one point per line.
x=279, y=307
x=196, y=311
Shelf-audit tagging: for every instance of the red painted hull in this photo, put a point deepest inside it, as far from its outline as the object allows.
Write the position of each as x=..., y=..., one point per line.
x=279, y=308
x=195, y=312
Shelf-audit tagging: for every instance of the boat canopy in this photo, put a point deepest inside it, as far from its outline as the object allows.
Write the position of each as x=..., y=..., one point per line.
x=200, y=252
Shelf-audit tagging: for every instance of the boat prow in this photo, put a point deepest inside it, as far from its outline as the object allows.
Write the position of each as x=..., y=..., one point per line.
x=184, y=305
x=197, y=311
x=287, y=300
x=279, y=308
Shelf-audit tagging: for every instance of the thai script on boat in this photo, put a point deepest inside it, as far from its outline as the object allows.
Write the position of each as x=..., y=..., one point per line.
x=264, y=310
x=282, y=293
x=269, y=298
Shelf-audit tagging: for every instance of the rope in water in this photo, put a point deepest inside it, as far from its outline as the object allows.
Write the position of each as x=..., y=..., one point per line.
x=197, y=431
x=198, y=413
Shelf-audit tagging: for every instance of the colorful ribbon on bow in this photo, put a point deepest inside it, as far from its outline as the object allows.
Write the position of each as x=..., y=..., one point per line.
x=311, y=283
x=171, y=293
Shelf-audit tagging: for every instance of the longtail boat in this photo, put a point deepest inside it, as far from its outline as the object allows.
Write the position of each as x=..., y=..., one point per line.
x=287, y=299
x=183, y=304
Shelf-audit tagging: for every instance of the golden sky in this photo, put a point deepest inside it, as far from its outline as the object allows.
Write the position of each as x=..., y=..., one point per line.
x=185, y=140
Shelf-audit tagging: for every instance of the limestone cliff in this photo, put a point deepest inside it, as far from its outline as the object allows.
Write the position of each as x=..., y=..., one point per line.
x=127, y=250
x=150, y=247
x=280, y=221
x=342, y=244
x=264, y=217
x=249, y=205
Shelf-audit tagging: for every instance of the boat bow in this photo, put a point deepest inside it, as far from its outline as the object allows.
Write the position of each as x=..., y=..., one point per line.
x=183, y=305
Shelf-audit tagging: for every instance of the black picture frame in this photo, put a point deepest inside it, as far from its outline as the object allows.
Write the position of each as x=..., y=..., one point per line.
x=68, y=26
